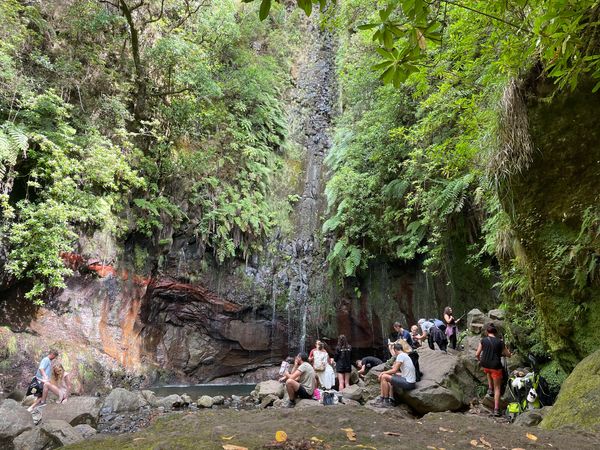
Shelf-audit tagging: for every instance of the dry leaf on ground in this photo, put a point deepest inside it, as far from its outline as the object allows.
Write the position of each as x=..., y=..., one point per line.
x=233, y=447
x=474, y=442
x=281, y=436
x=228, y=438
x=350, y=434
x=484, y=442
x=446, y=430
x=531, y=437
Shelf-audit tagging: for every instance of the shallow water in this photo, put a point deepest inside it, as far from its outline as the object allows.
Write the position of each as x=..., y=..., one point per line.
x=196, y=390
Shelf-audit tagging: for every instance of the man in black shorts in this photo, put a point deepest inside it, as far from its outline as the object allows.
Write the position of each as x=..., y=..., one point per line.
x=301, y=382
x=365, y=364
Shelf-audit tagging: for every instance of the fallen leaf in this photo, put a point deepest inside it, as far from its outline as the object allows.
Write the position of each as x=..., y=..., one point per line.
x=446, y=430
x=531, y=437
x=517, y=448
x=350, y=434
x=140, y=439
x=233, y=447
x=281, y=436
x=484, y=442
x=392, y=433
x=474, y=443
x=228, y=438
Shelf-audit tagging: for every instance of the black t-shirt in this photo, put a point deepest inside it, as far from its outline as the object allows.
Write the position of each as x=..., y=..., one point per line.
x=491, y=355
x=371, y=361
x=343, y=360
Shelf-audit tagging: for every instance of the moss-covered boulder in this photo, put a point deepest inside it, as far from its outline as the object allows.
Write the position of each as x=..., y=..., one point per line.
x=578, y=403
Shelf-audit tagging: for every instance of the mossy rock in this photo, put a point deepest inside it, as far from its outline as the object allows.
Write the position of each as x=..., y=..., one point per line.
x=578, y=403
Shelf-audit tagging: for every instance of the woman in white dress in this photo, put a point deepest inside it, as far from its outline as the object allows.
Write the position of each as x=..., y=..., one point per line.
x=321, y=364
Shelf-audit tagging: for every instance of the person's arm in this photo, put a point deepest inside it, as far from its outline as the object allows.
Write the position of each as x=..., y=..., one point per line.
x=45, y=377
x=395, y=368
x=506, y=352
x=478, y=352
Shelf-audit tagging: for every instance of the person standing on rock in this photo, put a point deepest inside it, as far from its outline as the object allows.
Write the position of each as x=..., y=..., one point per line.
x=301, y=382
x=42, y=376
x=324, y=371
x=401, y=376
x=343, y=362
x=451, y=328
x=489, y=354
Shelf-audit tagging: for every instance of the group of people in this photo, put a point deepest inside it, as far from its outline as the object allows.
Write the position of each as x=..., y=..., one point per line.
x=50, y=377
x=401, y=371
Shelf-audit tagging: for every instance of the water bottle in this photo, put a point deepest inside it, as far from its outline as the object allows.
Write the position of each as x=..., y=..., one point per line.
x=283, y=368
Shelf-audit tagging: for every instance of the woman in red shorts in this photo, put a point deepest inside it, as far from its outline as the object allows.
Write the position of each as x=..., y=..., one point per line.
x=489, y=354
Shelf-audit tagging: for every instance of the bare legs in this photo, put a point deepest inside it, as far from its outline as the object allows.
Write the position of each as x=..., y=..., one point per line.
x=495, y=384
x=386, y=386
x=343, y=381
x=292, y=387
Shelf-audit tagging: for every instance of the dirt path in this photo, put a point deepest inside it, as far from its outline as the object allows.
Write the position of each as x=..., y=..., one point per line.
x=375, y=429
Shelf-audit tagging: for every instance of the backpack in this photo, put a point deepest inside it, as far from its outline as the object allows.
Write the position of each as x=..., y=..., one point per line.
x=320, y=361
x=414, y=357
x=328, y=398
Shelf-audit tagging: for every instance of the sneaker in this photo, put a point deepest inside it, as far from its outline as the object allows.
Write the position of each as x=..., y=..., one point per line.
x=379, y=402
x=389, y=403
x=497, y=413
x=490, y=393
x=289, y=404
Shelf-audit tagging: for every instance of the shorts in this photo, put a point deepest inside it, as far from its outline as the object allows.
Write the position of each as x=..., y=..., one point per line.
x=400, y=382
x=496, y=374
x=302, y=393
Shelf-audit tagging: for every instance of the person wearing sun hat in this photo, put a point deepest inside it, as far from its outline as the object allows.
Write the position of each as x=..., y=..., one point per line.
x=402, y=375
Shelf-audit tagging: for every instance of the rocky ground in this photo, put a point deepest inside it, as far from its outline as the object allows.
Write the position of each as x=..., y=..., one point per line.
x=334, y=427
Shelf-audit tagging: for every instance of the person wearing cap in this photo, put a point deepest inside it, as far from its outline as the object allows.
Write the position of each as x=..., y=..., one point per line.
x=402, y=375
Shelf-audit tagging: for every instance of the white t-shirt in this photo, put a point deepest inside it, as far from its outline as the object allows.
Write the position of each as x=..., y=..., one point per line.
x=407, y=368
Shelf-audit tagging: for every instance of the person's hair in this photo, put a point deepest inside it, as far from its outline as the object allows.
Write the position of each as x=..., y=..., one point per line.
x=57, y=373
x=289, y=360
x=359, y=363
x=414, y=327
x=447, y=310
x=303, y=356
x=53, y=352
x=397, y=324
x=491, y=329
x=398, y=346
x=320, y=345
x=342, y=343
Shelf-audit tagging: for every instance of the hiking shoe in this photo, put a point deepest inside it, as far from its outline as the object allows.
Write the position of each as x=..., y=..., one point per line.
x=490, y=393
x=379, y=402
x=389, y=403
x=497, y=413
x=289, y=404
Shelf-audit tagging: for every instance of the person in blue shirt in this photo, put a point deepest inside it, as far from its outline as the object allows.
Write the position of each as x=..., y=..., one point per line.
x=42, y=376
x=400, y=333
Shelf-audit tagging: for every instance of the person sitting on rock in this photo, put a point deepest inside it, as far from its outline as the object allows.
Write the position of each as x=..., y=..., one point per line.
x=42, y=376
x=416, y=337
x=365, y=364
x=60, y=384
x=402, y=376
x=400, y=333
x=301, y=382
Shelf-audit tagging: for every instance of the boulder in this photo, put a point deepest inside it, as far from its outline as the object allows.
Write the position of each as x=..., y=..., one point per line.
x=532, y=417
x=445, y=386
x=150, y=397
x=578, y=403
x=218, y=400
x=85, y=430
x=120, y=400
x=77, y=410
x=307, y=403
x=206, y=401
x=268, y=400
x=60, y=432
x=497, y=314
x=353, y=392
x=467, y=355
x=170, y=402
x=14, y=420
x=186, y=399
x=33, y=439
x=28, y=401
x=476, y=320
x=270, y=387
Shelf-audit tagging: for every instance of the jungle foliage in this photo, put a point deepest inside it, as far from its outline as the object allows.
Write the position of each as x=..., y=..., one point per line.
x=137, y=118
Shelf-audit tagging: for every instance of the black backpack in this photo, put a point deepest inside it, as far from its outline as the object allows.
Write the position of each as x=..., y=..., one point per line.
x=414, y=356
